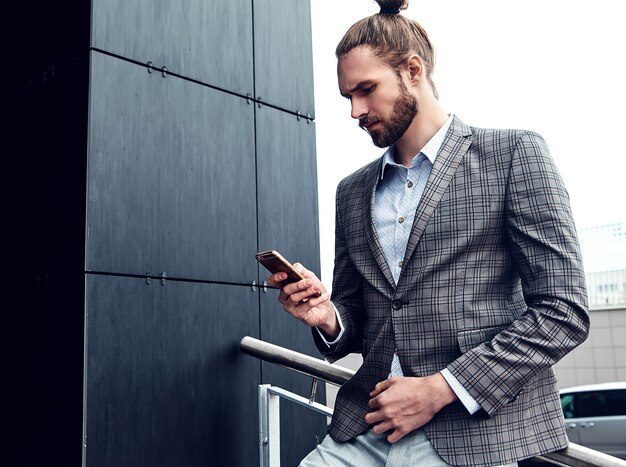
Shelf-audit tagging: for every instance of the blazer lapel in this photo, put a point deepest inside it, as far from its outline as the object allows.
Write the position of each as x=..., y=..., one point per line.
x=455, y=146
x=368, y=222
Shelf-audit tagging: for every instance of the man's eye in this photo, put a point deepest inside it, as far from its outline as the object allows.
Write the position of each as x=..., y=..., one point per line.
x=368, y=89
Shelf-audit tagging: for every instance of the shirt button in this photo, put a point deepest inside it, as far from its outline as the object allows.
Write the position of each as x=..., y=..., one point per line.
x=401, y=220
x=410, y=184
x=401, y=264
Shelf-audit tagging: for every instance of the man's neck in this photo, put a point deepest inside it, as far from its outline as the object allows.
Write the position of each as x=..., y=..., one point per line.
x=423, y=127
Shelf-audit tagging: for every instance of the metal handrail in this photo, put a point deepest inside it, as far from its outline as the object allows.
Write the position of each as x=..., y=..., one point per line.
x=574, y=455
x=296, y=361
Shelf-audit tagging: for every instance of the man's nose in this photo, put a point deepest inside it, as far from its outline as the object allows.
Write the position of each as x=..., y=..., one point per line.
x=358, y=108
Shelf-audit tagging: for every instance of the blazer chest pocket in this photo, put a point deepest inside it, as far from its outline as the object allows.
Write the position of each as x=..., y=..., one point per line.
x=470, y=338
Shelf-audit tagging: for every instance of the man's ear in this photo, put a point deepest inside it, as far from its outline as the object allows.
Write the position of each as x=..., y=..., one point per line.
x=415, y=68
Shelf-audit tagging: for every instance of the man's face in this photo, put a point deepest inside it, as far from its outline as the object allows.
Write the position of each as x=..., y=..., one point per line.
x=380, y=100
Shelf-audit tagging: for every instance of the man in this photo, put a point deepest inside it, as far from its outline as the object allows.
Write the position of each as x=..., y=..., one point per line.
x=458, y=274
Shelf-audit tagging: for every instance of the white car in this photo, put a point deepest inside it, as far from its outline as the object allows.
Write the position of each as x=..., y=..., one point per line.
x=595, y=416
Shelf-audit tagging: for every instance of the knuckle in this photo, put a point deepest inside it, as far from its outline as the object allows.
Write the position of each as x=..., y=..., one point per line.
x=395, y=423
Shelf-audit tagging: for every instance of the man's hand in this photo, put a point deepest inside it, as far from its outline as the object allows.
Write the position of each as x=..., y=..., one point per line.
x=307, y=300
x=401, y=405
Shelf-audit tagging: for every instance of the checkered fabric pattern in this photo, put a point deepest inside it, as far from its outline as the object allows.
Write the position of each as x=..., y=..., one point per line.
x=492, y=288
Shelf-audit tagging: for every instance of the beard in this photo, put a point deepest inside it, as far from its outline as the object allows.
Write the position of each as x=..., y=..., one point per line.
x=404, y=111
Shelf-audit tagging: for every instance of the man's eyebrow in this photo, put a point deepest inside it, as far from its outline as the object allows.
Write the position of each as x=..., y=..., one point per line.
x=358, y=87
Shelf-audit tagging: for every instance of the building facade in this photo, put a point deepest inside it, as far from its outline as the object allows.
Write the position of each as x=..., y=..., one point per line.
x=162, y=144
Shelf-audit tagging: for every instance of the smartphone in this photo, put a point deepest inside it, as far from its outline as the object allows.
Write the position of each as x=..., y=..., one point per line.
x=274, y=262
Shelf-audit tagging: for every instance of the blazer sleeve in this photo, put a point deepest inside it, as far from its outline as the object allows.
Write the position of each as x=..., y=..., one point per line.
x=346, y=296
x=545, y=250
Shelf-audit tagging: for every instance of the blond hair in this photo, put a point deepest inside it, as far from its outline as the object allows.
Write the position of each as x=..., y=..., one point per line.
x=393, y=38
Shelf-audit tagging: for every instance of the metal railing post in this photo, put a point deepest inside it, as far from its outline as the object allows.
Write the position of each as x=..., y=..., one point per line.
x=269, y=427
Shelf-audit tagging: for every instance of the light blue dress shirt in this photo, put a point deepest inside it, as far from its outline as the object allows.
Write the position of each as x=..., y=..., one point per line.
x=397, y=196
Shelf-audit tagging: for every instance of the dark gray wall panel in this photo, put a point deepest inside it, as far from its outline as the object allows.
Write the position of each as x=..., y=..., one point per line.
x=287, y=187
x=283, y=57
x=301, y=428
x=171, y=176
x=166, y=384
x=210, y=41
x=170, y=187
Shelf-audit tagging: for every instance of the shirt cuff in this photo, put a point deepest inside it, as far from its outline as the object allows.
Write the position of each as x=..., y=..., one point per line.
x=341, y=329
x=466, y=399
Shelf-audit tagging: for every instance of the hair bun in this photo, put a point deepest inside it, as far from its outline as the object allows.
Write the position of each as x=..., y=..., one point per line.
x=392, y=7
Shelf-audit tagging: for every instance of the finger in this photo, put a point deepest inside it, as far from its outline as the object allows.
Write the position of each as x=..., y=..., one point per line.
x=293, y=287
x=305, y=272
x=301, y=269
x=316, y=298
x=275, y=279
x=302, y=290
x=312, y=293
x=396, y=435
x=382, y=386
x=373, y=403
x=374, y=417
x=290, y=297
x=382, y=427
x=310, y=276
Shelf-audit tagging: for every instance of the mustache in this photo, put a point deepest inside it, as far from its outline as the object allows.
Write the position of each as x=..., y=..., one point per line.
x=367, y=121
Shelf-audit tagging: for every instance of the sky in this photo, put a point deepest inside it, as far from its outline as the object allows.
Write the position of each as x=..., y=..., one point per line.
x=552, y=66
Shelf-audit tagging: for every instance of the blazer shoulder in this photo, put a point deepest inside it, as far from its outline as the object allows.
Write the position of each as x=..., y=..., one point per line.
x=497, y=142
x=504, y=146
x=486, y=140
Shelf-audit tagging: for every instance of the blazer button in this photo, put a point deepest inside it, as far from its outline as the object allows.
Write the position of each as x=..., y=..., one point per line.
x=396, y=304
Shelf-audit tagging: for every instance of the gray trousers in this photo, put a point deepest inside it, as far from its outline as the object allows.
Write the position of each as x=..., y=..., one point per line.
x=370, y=449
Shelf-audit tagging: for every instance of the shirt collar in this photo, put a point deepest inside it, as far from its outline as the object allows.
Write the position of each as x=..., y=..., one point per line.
x=430, y=150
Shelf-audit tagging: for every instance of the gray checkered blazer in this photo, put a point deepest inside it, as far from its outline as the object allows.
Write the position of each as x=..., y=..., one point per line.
x=492, y=288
